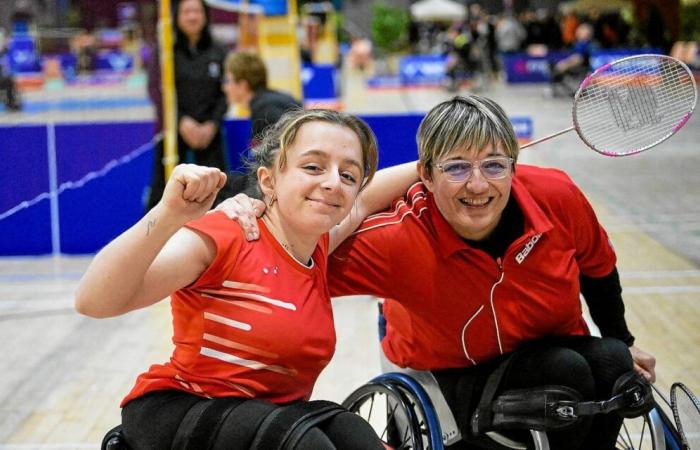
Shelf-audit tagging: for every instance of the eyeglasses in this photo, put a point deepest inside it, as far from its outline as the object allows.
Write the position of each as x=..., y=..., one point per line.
x=459, y=170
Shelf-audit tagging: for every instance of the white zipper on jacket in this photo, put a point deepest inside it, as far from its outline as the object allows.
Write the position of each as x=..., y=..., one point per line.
x=464, y=328
x=493, y=309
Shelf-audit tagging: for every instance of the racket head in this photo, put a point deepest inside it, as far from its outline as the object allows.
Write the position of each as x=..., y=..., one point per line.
x=634, y=103
x=686, y=413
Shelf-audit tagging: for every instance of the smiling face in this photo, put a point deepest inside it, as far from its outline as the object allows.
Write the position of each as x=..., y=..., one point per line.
x=320, y=179
x=474, y=207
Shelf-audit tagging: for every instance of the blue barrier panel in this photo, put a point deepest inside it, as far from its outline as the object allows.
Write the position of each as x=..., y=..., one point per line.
x=237, y=133
x=111, y=198
x=103, y=171
x=25, y=228
x=318, y=82
x=396, y=136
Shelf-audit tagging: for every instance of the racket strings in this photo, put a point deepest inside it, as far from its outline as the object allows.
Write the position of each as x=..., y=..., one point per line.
x=686, y=412
x=634, y=105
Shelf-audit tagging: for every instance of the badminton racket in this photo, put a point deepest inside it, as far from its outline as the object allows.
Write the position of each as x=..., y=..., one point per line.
x=686, y=413
x=632, y=104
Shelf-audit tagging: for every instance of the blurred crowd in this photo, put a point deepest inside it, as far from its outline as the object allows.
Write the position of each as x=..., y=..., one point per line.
x=474, y=45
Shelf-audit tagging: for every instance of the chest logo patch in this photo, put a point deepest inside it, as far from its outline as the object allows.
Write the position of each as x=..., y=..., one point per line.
x=520, y=257
x=274, y=270
x=214, y=70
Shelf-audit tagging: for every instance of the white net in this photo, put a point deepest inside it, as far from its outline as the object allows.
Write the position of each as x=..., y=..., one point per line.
x=634, y=103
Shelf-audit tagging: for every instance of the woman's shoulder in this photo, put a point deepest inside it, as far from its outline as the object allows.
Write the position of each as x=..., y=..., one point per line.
x=217, y=226
x=548, y=185
x=547, y=178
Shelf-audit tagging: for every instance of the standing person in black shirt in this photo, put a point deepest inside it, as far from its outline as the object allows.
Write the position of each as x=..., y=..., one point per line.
x=200, y=106
x=246, y=84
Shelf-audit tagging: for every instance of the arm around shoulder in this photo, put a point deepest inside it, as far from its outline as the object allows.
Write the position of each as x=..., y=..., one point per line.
x=386, y=186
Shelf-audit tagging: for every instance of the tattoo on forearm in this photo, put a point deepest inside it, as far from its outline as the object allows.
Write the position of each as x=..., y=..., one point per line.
x=151, y=224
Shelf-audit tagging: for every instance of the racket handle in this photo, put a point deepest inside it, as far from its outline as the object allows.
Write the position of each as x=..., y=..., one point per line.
x=546, y=138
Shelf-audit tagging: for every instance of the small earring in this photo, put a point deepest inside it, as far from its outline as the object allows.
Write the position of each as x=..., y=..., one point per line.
x=272, y=200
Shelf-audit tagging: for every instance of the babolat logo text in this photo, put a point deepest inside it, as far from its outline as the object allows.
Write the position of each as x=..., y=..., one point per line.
x=520, y=257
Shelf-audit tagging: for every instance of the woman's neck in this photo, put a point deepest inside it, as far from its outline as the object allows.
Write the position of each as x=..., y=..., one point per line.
x=300, y=245
x=193, y=40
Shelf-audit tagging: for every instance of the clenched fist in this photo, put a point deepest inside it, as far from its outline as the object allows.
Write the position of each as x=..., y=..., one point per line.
x=191, y=190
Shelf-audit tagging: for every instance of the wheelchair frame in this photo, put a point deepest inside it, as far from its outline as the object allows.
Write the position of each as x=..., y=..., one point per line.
x=418, y=425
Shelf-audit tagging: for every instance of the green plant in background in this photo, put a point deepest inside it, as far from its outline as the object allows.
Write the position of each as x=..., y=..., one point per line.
x=690, y=21
x=342, y=34
x=389, y=27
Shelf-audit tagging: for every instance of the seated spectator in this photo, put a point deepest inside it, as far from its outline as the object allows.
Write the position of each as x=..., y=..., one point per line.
x=687, y=52
x=360, y=55
x=575, y=66
x=8, y=88
x=246, y=84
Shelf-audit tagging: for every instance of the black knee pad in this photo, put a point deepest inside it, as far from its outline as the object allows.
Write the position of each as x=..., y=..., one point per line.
x=285, y=426
x=114, y=440
x=541, y=408
x=636, y=392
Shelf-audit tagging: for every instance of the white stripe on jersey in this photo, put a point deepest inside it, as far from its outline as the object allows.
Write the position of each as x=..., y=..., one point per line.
x=241, y=303
x=239, y=346
x=251, y=364
x=226, y=321
x=246, y=286
x=251, y=296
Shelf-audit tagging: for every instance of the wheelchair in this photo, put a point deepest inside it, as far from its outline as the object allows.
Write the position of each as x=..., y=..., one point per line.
x=401, y=407
x=408, y=411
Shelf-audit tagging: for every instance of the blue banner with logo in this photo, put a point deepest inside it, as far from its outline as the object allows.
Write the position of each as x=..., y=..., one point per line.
x=114, y=61
x=422, y=69
x=23, y=56
x=267, y=7
x=523, y=68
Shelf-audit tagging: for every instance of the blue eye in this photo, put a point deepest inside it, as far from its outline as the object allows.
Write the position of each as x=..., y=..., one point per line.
x=457, y=168
x=494, y=167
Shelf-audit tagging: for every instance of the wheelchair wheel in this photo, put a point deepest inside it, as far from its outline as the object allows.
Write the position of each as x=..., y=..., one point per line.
x=652, y=431
x=394, y=413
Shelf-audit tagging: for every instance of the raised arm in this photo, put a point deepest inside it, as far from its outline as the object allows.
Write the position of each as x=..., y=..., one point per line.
x=156, y=256
x=386, y=186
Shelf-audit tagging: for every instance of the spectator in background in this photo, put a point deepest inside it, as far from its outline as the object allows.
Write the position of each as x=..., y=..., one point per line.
x=575, y=66
x=510, y=34
x=8, y=88
x=199, y=63
x=360, y=54
x=656, y=30
x=84, y=47
x=246, y=84
x=568, y=24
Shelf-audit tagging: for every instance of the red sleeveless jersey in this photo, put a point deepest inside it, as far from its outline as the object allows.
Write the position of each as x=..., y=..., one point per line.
x=256, y=324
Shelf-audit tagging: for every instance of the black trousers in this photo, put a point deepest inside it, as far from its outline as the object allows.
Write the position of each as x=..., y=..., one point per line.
x=587, y=364
x=211, y=156
x=151, y=423
x=8, y=92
